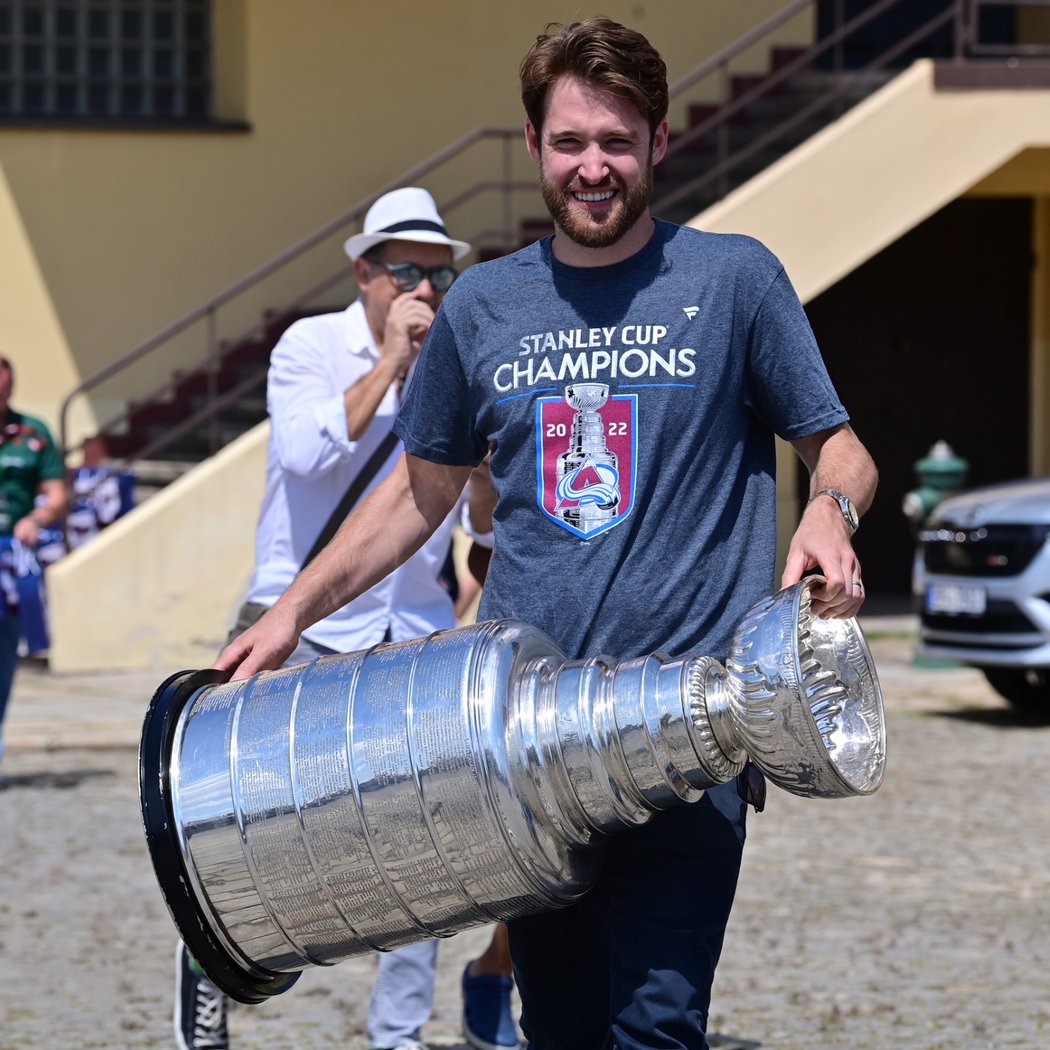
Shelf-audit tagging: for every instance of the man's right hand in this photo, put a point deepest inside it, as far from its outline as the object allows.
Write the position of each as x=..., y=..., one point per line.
x=407, y=325
x=263, y=647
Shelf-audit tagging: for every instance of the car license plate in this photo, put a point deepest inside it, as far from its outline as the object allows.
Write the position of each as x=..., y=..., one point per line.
x=956, y=599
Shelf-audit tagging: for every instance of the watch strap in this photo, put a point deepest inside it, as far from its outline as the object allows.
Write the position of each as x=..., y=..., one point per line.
x=846, y=506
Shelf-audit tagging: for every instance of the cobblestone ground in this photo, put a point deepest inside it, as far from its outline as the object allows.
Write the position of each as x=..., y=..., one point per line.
x=915, y=918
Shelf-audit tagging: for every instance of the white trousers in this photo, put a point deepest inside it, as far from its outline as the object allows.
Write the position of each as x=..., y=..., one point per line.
x=403, y=994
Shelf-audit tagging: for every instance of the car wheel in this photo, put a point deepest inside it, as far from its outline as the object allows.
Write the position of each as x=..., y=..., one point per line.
x=1026, y=688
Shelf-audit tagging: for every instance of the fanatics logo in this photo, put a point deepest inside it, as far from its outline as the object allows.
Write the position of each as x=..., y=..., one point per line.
x=690, y=311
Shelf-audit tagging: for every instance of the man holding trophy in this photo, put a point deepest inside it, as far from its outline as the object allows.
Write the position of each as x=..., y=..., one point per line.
x=628, y=376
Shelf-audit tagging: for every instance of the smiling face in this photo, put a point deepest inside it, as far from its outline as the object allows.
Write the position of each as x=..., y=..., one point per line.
x=596, y=159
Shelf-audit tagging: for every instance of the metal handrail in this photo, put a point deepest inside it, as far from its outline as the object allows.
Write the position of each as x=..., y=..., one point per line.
x=732, y=106
x=730, y=51
x=726, y=163
x=964, y=13
x=253, y=277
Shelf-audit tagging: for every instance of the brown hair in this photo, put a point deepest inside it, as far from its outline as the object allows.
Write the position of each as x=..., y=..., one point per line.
x=599, y=50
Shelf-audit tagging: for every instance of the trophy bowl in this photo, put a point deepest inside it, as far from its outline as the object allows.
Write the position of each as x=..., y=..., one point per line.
x=805, y=699
x=587, y=397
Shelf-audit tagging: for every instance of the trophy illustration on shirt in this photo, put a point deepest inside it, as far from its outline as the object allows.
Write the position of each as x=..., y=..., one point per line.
x=588, y=487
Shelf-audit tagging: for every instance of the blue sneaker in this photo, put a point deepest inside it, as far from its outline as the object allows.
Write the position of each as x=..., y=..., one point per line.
x=488, y=1023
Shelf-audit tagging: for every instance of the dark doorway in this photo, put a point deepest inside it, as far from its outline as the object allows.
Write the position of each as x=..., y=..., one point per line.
x=898, y=22
x=930, y=339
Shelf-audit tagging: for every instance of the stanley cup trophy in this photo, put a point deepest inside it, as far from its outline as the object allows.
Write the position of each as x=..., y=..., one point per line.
x=416, y=789
x=594, y=499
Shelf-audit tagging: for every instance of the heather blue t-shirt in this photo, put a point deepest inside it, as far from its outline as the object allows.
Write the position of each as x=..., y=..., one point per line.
x=631, y=411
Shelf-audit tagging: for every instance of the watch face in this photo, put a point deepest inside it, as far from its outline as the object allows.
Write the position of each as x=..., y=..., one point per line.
x=850, y=512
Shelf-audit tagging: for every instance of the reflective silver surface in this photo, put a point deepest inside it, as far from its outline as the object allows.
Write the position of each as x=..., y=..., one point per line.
x=416, y=789
x=587, y=448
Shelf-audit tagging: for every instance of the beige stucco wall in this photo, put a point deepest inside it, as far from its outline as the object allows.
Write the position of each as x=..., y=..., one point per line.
x=159, y=587
x=121, y=232
x=30, y=319
x=109, y=235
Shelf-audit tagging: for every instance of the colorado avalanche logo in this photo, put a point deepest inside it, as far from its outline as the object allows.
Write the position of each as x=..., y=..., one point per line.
x=586, y=455
x=590, y=483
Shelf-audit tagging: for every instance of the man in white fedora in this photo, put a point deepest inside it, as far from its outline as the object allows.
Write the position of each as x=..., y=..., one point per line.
x=334, y=386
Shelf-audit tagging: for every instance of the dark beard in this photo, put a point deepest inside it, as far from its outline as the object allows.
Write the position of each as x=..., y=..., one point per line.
x=631, y=207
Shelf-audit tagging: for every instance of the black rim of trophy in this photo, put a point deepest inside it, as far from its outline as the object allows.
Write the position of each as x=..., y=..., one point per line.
x=158, y=819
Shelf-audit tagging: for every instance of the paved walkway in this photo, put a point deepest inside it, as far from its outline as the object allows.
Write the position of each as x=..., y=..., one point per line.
x=916, y=918
x=51, y=712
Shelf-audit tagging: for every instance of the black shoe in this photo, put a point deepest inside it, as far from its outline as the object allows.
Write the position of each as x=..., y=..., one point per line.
x=200, y=1008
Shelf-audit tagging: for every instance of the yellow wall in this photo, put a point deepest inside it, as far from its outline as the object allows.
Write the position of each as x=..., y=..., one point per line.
x=174, y=568
x=120, y=232
x=197, y=209
x=30, y=320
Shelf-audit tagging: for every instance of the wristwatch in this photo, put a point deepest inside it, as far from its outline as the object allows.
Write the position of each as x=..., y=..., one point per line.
x=849, y=511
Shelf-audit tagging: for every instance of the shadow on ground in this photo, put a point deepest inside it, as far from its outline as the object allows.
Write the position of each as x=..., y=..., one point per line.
x=718, y=1041
x=69, y=778
x=999, y=717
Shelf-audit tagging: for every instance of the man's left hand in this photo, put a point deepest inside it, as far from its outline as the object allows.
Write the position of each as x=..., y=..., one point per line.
x=27, y=531
x=822, y=542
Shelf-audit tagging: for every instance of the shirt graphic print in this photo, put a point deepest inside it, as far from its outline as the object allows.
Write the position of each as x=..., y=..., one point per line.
x=586, y=457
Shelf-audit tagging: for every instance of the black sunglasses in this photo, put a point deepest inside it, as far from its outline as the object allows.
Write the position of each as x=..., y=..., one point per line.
x=408, y=276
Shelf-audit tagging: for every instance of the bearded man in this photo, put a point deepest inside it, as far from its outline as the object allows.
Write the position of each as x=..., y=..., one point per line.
x=629, y=377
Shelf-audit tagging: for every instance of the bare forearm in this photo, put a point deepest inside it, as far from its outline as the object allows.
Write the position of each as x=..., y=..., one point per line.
x=841, y=462
x=481, y=498
x=50, y=511
x=836, y=460
x=381, y=533
x=363, y=398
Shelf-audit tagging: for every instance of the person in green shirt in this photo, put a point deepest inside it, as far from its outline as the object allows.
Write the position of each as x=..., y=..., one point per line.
x=30, y=466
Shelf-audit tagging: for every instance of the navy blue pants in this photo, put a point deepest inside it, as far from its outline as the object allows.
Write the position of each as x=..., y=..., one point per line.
x=10, y=632
x=630, y=966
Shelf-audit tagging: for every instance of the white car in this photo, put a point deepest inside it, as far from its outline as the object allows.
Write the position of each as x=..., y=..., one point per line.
x=984, y=584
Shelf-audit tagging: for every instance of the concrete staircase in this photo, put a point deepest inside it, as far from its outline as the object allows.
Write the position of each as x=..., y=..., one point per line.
x=153, y=441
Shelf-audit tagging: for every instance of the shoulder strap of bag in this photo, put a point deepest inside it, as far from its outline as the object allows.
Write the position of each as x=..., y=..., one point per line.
x=351, y=496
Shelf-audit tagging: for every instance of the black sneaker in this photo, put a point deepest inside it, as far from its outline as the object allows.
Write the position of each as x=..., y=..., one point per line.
x=200, y=1008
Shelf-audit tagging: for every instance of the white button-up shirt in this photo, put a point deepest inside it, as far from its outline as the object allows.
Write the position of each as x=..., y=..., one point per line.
x=310, y=464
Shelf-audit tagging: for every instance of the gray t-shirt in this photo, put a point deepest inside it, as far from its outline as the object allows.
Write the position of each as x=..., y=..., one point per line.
x=631, y=411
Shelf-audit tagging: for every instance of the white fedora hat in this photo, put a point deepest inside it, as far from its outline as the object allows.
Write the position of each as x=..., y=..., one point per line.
x=408, y=214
